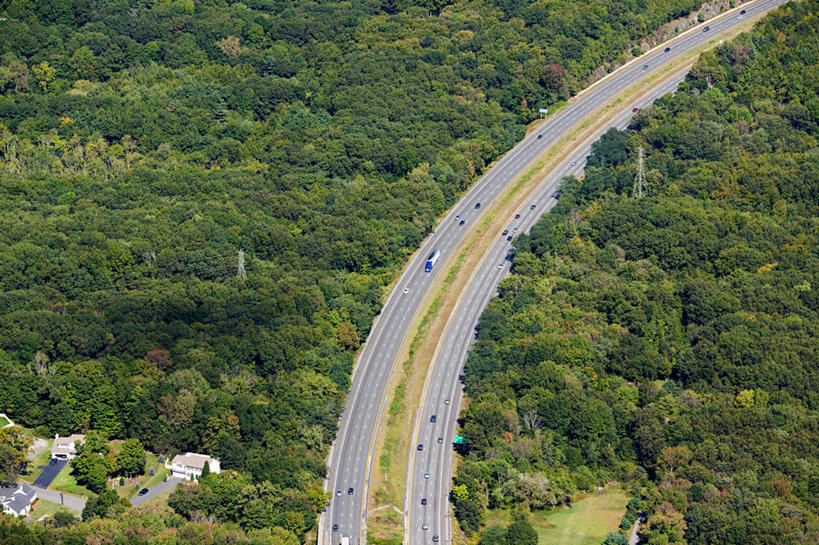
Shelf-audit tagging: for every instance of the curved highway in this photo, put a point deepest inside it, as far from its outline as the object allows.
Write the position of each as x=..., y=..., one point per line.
x=351, y=457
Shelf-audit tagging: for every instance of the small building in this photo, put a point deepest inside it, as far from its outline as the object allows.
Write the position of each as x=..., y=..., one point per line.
x=189, y=466
x=65, y=448
x=17, y=499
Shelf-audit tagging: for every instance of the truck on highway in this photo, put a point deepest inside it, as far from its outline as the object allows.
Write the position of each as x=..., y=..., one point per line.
x=345, y=540
x=433, y=257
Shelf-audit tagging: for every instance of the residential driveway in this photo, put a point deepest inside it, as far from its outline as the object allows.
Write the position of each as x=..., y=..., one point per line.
x=49, y=473
x=157, y=490
x=69, y=501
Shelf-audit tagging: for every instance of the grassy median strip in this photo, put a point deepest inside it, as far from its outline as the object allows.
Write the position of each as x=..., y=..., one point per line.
x=387, y=483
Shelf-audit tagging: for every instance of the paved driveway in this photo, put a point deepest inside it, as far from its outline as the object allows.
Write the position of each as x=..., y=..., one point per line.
x=49, y=473
x=157, y=490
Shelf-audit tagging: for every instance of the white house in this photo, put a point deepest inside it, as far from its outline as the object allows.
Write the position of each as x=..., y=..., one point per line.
x=189, y=465
x=65, y=448
x=17, y=498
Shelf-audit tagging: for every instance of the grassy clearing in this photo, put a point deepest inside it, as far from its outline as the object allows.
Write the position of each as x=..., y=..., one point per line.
x=586, y=522
x=66, y=482
x=4, y=421
x=45, y=509
x=394, y=437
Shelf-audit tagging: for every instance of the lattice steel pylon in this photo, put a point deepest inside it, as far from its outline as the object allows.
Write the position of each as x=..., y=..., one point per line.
x=640, y=180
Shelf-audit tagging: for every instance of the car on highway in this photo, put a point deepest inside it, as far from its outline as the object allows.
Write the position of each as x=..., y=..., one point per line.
x=505, y=232
x=573, y=163
x=461, y=222
x=406, y=290
x=143, y=492
x=706, y=29
x=742, y=12
x=447, y=401
x=514, y=229
x=435, y=539
x=425, y=526
x=350, y=491
x=517, y=216
x=423, y=501
x=667, y=49
x=532, y=206
x=426, y=475
x=635, y=110
x=645, y=67
x=509, y=238
x=338, y=492
x=335, y=527
x=457, y=216
x=540, y=136
x=420, y=446
x=440, y=440
x=477, y=205
x=433, y=418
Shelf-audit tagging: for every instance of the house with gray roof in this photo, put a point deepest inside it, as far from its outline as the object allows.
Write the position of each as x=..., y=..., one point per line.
x=17, y=498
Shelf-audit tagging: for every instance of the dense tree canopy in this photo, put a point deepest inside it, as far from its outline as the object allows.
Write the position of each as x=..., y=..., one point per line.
x=670, y=341
x=202, y=202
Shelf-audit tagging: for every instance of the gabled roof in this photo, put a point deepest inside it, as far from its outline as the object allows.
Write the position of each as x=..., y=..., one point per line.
x=191, y=459
x=66, y=445
x=17, y=496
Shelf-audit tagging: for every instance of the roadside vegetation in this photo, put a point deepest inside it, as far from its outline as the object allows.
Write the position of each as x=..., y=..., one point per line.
x=668, y=342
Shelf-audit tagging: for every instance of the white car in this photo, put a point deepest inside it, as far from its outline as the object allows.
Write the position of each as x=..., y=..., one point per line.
x=426, y=475
x=425, y=526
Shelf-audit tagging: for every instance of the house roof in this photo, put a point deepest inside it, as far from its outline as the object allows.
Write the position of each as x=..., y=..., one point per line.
x=191, y=459
x=65, y=445
x=17, y=496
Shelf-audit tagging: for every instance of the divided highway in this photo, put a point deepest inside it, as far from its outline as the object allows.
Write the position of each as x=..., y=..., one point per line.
x=428, y=470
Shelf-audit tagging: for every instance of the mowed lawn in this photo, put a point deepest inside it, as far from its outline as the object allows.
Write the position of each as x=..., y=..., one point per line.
x=586, y=522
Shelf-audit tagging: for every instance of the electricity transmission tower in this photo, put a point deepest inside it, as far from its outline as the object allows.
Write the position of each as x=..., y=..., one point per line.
x=640, y=180
x=240, y=272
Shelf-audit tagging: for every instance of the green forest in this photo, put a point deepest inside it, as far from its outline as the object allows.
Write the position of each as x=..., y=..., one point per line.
x=148, y=148
x=670, y=342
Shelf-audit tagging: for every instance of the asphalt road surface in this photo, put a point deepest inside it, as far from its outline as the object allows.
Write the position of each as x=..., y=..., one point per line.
x=351, y=457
